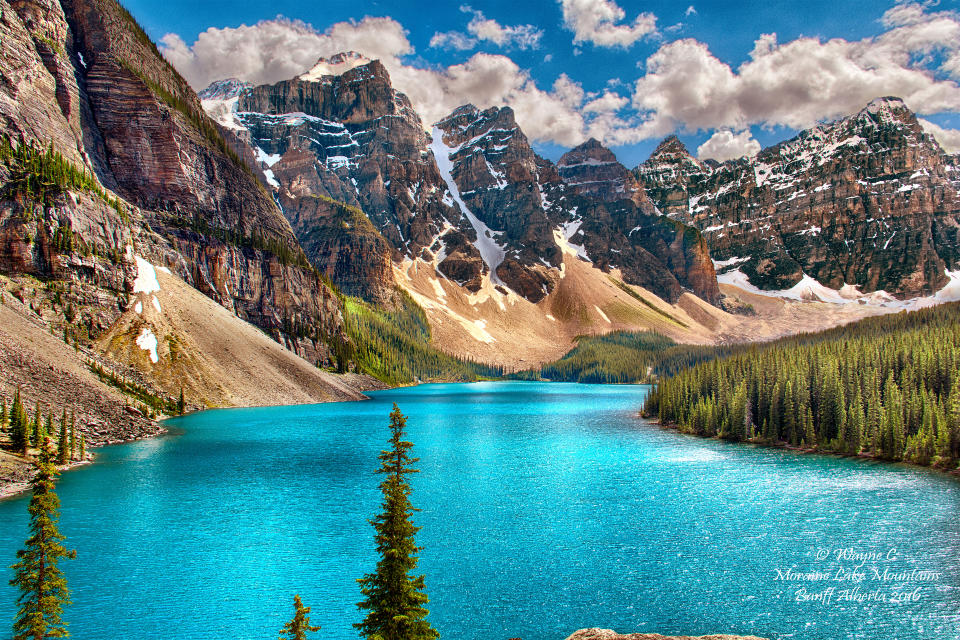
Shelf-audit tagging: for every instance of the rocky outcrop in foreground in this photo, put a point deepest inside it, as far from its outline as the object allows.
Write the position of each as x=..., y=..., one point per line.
x=607, y=634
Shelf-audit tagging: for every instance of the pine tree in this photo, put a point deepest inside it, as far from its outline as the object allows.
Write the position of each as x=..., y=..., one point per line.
x=43, y=589
x=63, y=447
x=35, y=438
x=394, y=599
x=73, y=436
x=180, y=404
x=3, y=414
x=19, y=424
x=83, y=447
x=299, y=626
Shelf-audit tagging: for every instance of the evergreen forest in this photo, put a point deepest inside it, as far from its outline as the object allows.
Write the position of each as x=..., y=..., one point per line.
x=887, y=387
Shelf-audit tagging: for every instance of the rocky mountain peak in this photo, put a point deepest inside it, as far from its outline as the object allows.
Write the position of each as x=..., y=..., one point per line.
x=887, y=106
x=590, y=152
x=494, y=171
x=224, y=89
x=593, y=170
x=468, y=122
x=670, y=150
x=866, y=200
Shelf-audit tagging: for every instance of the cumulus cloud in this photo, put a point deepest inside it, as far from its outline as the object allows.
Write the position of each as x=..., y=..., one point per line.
x=949, y=139
x=794, y=84
x=691, y=11
x=726, y=145
x=522, y=36
x=481, y=28
x=609, y=102
x=278, y=49
x=495, y=80
x=801, y=82
x=598, y=22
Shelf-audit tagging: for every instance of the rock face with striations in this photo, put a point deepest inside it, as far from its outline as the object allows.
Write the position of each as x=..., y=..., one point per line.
x=618, y=226
x=591, y=170
x=869, y=200
x=495, y=172
x=85, y=78
x=352, y=138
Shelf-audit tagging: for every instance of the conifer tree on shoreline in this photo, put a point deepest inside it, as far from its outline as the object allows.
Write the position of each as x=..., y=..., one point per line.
x=395, y=599
x=19, y=424
x=43, y=588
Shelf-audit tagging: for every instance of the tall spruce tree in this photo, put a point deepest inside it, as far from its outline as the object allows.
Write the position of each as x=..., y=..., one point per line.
x=43, y=588
x=19, y=425
x=63, y=446
x=73, y=435
x=37, y=427
x=395, y=599
x=299, y=625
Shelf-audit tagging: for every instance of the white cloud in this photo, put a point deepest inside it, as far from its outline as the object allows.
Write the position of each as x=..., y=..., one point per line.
x=691, y=11
x=726, y=145
x=494, y=80
x=795, y=84
x=452, y=40
x=274, y=50
x=597, y=21
x=481, y=28
x=522, y=36
x=949, y=139
x=609, y=102
x=278, y=49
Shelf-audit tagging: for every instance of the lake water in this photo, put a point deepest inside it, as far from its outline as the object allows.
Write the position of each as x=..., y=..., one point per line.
x=545, y=508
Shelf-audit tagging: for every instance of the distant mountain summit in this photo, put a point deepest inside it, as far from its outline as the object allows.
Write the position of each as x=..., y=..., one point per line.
x=471, y=198
x=869, y=201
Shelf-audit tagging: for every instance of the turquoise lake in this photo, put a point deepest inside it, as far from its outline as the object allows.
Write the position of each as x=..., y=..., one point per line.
x=545, y=508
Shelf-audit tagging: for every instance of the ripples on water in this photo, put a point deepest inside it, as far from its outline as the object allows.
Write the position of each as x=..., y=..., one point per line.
x=546, y=508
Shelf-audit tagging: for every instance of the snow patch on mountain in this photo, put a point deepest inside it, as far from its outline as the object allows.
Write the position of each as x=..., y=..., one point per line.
x=491, y=252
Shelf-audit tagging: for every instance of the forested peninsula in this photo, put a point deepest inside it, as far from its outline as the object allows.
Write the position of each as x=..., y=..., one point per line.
x=885, y=387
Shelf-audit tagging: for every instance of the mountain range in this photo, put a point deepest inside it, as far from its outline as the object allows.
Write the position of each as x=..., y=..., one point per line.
x=290, y=206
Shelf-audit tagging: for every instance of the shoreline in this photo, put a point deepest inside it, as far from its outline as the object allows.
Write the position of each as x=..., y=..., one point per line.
x=13, y=488
x=953, y=473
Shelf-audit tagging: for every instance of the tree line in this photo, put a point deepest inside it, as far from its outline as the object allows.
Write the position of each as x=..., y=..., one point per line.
x=623, y=357
x=23, y=433
x=395, y=345
x=887, y=387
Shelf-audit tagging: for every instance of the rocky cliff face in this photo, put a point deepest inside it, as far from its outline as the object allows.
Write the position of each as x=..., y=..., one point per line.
x=494, y=172
x=354, y=139
x=84, y=78
x=471, y=198
x=869, y=201
x=591, y=170
x=587, y=201
x=611, y=217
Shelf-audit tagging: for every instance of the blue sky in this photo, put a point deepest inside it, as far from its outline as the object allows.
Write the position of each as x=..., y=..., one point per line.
x=731, y=76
